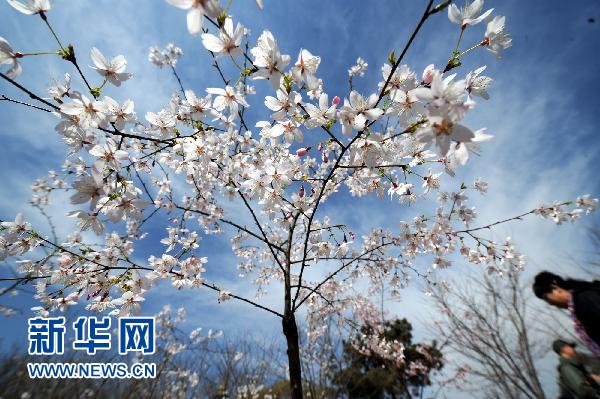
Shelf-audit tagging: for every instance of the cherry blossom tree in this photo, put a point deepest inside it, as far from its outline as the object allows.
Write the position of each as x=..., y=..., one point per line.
x=187, y=164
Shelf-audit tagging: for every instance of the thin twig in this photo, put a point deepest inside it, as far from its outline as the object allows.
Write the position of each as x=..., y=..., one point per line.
x=12, y=100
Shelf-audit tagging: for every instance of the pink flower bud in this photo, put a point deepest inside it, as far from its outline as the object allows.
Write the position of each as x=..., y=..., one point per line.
x=302, y=151
x=428, y=74
x=324, y=157
x=301, y=192
x=320, y=147
x=65, y=261
x=336, y=101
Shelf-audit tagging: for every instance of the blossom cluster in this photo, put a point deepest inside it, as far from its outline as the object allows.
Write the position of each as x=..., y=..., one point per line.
x=168, y=56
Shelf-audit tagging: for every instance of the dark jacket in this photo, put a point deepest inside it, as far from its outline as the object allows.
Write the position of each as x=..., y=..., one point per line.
x=574, y=377
x=587, y=309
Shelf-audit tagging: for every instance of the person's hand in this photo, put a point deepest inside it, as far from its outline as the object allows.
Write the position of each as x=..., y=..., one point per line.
x=596, y=378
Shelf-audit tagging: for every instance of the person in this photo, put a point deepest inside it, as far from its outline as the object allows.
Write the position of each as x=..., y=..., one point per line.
x=578, y=374
x=580, y=298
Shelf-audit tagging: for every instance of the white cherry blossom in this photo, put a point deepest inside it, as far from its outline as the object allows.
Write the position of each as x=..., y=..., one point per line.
x=469, y=14
x=589, y=204
x=227, y=98
x=359, y=68
x=223, y=296
x=120, y=115
x=18, y=226
x=406, y=105
x=9, y=57
x=113, y=70
x=89, y=189
x=129, y=303
x=403, y=79
x=357, y=112
x=109, y=155
x=31, y=7
x=443, y=91
x=196, y=107
x=268, y=59
x=197, y=9
x=442, y=130
x=88, y=220
x=477, y=84
x=305, y=69
x=496, y=38
x=168, y=56
x=163, y=123
x=284, y=104
x=59, y=90
x=91, y=113
x=290, y=130
x=460, y=150
x=320, y=115
x=228, y=42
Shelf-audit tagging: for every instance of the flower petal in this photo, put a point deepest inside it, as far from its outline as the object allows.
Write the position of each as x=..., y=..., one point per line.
x=21, y=7
x=99, y=59
x=212, y=43
x=183, y=4
x=194, y=20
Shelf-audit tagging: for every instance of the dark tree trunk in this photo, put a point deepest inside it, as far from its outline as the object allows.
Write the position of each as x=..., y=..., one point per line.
x=290, y=330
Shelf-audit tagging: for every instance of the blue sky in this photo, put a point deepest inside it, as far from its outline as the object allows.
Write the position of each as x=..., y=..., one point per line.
x=543, y=113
